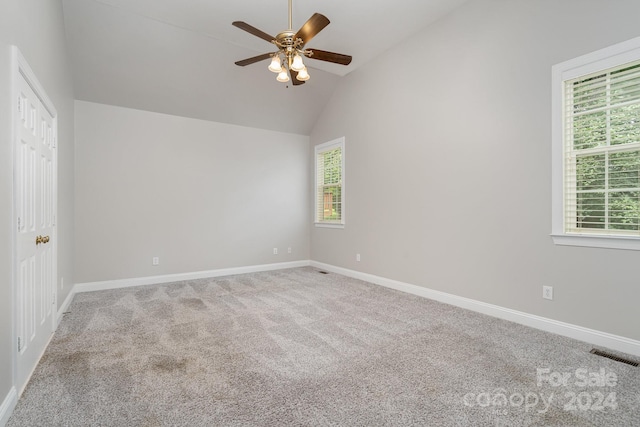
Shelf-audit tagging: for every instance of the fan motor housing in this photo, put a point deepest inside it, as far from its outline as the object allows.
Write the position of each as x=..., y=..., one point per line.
x=285, y=40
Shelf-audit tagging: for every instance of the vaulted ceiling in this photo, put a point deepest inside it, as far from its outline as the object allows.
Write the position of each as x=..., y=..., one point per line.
x=177, y=56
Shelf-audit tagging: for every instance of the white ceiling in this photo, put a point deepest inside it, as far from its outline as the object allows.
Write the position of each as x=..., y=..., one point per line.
x=177, y=56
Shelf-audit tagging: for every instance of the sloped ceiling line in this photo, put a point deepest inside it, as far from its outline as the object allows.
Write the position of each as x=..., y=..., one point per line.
x=177, y=56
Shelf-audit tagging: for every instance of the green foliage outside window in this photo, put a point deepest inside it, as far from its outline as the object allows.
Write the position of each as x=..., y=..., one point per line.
x=607, y=115
x=332, y=188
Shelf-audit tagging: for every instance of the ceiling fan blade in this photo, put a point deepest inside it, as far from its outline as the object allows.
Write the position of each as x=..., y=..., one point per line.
x=313, y=26
x=254, y=59
x=253, y=30
x=294, y=78
x=323, y=55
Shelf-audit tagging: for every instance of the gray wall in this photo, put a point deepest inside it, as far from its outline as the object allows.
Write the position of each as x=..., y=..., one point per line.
x=199, y=195
x=448, y=144
x=36, y=27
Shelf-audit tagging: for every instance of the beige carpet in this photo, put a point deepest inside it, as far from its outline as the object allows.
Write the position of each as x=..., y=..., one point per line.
x=299, y=348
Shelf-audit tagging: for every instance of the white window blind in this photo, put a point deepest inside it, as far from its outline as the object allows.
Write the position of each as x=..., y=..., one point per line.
x=602, y=152
x=330, y=183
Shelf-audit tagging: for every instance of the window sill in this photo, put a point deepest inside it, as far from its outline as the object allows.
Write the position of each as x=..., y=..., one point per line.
x=590, y=241
x=328, y=225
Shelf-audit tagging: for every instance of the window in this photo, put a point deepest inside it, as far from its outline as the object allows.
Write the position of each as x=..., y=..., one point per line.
x=330, y=184
x=596, y=163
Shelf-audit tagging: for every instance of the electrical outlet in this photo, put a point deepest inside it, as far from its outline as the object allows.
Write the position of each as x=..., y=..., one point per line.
x=358, y=257
x=275, y=251
x=155, y=260
x=288, y=250
x=547, y=292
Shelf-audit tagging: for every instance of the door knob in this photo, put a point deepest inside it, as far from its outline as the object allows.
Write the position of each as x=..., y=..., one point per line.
x=45, y=239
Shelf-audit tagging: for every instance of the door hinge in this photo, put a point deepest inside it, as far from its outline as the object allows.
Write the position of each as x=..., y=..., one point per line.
x=19, y=347
x=19, y=104
x=18, y=223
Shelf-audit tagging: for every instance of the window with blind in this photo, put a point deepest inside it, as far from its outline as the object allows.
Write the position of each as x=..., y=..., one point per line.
x=330, y=183
x=600, y=149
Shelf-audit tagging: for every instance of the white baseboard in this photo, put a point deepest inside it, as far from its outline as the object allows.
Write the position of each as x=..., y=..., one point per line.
x=591, y=336
x=167, y=278
x=65, y=305
x=8, y=405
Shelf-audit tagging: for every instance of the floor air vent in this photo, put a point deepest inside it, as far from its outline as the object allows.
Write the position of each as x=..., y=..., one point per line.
x=323, y=272
x=613, y=357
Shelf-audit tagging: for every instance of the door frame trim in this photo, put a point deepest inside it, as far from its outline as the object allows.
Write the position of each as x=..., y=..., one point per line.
x=20, y=67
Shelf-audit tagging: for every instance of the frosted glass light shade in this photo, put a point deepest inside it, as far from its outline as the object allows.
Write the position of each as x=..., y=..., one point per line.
x=283, y=76
x=275, y=65
x=303, y=75
x=297, y=64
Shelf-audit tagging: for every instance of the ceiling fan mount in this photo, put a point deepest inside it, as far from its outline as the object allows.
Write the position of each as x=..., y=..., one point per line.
x=287, y=40
x=287, y=61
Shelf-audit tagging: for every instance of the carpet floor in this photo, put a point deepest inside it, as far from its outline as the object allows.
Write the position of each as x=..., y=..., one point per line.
x=299, y=348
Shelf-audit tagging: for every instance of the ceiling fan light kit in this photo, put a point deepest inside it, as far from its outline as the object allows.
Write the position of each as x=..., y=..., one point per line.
x=297, y=63
x=303, y=75
x=283, y=76
x=291, y=49
x=276, y=64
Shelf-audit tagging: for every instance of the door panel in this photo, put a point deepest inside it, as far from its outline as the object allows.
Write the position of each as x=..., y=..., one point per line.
x=47, y=144
x=35, y=207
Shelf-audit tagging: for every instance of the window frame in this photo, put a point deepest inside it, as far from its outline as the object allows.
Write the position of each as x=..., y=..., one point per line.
x=318, y=149
x=603, y=59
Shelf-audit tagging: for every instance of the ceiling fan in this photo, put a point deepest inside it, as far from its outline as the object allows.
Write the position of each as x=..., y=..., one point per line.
x=291, y=48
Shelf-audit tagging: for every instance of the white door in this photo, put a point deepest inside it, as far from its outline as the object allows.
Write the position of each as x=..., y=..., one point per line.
x=35, y=203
